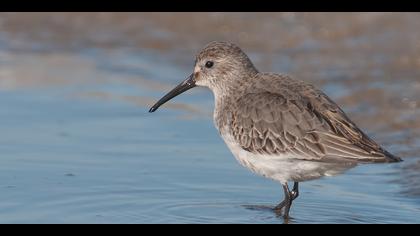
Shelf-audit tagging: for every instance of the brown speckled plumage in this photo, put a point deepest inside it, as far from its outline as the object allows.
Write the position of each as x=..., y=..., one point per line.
x=270, y=113
x=281, y=128
x=277, y=114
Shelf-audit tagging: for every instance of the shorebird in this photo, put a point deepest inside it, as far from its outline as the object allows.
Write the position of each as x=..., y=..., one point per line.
x=276, y=126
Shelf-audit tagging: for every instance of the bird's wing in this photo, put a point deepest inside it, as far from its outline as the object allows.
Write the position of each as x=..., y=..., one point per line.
x=310, y=127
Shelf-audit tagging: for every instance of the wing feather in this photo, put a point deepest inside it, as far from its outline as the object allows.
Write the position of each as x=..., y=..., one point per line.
x=308, y=125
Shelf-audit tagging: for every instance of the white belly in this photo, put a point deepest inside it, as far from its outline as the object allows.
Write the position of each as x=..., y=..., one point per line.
x=281, y=168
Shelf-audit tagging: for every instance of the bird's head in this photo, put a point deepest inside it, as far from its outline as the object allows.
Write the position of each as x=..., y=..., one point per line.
x=218, y=66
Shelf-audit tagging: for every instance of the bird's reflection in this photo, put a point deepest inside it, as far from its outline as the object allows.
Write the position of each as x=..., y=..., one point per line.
x=270, y=209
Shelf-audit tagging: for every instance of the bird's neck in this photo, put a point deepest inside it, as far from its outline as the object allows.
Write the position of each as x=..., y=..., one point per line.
x=233, y=86
x=226, y=94
x=225, y=98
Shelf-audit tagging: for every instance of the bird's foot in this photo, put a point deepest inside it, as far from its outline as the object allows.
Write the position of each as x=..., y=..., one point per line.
x=289, y=196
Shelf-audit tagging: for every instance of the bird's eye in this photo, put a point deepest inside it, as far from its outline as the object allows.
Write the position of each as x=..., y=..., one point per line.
x=209, y=64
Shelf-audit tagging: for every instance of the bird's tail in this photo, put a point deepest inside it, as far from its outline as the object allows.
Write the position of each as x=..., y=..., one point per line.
x=390, y=157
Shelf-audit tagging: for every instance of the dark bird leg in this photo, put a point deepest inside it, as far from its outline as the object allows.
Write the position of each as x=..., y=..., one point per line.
x=295, y=190
x=289, y=196
x=293, y=195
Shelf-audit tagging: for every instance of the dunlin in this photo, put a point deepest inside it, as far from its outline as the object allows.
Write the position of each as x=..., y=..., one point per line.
x=276, y=126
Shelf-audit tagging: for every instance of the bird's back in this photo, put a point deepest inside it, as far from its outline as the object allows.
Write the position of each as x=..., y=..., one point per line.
x=277, y=115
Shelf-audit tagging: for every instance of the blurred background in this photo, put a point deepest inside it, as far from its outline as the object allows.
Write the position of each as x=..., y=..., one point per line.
x=78, y=144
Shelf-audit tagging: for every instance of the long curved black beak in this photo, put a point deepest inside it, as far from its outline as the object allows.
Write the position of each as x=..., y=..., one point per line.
x=180, y=88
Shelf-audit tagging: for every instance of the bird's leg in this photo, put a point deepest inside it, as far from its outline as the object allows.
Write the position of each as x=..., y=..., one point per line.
x=293, y=195
x=289, y=196
x=295, y=191
x=286, y=199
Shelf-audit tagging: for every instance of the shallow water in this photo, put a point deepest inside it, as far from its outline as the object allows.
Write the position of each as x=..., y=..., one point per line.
x=79, y=145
